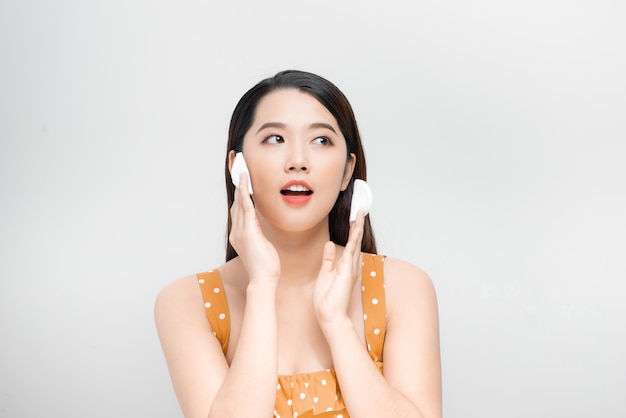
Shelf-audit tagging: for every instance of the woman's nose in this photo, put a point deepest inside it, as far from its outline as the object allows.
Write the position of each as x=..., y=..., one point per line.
x=297, y=160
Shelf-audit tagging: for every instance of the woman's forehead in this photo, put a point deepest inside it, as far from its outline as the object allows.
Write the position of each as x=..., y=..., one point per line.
x=292, y=107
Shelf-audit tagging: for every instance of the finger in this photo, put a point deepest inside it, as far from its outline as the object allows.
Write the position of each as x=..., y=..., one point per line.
x=235, y=208
x=352, y=252
x=355, y=235
x=248, y=213
x=238, y=209
x=328, y=257
x=327, y=274
x=244, y=183
x=246, y=197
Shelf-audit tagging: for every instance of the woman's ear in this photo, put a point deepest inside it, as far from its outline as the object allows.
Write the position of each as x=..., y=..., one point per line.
x=231, y=159
x=347, y=173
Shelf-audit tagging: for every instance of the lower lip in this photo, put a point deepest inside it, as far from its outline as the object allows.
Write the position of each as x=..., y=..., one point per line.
x=296, y=200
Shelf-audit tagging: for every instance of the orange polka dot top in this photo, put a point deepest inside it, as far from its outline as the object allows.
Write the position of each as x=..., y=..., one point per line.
x=316, y=394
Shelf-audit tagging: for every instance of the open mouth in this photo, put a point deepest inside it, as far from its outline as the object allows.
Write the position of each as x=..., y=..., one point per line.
x=296, y=190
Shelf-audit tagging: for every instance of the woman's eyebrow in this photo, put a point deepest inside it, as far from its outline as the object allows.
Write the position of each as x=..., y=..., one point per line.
x=323, y=125
x=271, y=125
x=280, y=125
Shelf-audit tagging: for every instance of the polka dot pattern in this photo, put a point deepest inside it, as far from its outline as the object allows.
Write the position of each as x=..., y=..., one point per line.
x=309, y=395
x=317, y=394
x=374, y=306
x=215, y=305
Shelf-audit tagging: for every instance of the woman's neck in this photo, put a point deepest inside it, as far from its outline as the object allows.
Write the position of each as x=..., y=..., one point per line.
x=300, y=253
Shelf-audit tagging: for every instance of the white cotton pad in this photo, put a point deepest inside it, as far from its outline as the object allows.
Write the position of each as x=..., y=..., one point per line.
x=240, y=166
x=361, y=199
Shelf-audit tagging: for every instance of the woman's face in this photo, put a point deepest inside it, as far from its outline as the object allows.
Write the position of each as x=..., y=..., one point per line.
x=297, y=158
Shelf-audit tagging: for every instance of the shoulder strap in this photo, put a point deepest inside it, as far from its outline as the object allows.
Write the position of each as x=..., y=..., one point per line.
x=216, y=305
x=374, y=306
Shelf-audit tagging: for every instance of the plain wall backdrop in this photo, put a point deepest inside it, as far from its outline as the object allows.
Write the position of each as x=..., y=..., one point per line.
x=495, y=133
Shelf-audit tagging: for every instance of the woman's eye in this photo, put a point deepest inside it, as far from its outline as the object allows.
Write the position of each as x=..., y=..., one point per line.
x=322, y=140
x=274, y=139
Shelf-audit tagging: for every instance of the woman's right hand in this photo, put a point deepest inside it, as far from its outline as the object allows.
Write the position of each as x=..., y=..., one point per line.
x=257, y=254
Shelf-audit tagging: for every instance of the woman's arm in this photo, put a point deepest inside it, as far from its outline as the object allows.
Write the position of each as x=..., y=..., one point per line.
x=204, y=383
x=249, y=387
x=194, y=356
x=411, y=382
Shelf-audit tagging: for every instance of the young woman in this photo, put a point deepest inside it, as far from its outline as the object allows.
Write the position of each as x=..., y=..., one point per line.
x=298, y=321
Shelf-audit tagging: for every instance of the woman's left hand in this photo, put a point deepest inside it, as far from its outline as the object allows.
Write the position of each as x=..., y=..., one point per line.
x=336, y=280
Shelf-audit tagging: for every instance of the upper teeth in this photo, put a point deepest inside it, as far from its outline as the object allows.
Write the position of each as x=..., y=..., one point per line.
x=297, y=188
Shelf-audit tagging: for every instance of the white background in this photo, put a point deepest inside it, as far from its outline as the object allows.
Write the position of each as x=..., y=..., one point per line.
x=495, y=136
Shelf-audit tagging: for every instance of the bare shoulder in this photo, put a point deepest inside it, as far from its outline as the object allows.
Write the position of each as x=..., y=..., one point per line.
x=402, y=277
x=183, y=297
x=409, y=290
x=178, y=295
